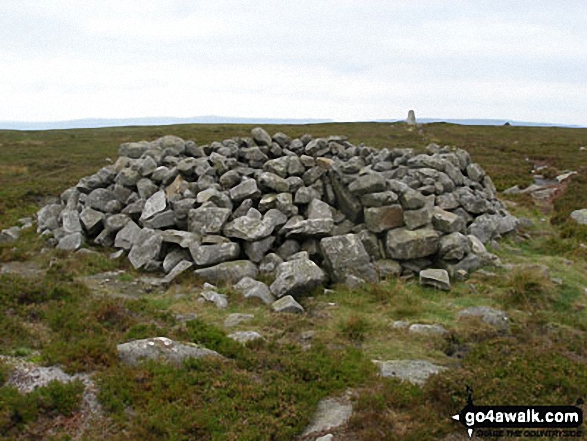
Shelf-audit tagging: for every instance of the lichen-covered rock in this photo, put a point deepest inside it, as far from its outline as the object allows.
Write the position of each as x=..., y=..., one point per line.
x=404, y=244
x=251, y=288
x=346, y=255
x=161, y=348
x=228, y=272
x=287, y=304
x=297, y=278
x=436, y=278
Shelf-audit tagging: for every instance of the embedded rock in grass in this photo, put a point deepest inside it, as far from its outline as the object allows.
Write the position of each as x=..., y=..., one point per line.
x=494, y=317
x=330, y=414
x=236, y=319
x=418, y=328
x=220, y=300
x=580, y=216
x=161, y=349
x=287, y=304
x=245, y=336
x=9, y=235
x=414, y=371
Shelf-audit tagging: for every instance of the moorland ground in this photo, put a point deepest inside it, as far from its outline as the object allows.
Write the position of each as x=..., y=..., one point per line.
x=269, y=389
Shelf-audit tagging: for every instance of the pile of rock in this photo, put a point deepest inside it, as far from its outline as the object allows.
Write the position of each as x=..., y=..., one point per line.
x=307, y=210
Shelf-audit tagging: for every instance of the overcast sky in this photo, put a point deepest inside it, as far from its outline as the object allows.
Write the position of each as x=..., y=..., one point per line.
x=345, y=60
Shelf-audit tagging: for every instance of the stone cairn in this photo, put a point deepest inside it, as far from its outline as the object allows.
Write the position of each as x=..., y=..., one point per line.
x=307, y=211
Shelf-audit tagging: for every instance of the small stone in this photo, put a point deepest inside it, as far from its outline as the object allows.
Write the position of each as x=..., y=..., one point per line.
x=287, y=304
x=245, y=337
x=236, y=319
x=250, y=288
x=220, y=300
x=418, y=328
x=414, y=371
x=437, y=278
x=155, y=204
x=71, y=242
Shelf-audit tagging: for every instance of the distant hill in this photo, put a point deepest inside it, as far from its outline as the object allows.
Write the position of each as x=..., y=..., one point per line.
x=88, y=123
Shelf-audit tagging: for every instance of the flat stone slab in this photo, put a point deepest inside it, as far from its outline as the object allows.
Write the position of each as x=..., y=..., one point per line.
x=23, y=269
x=436, y=278
x=330, y=414
x=287, y=304
x=236, y=319
x=161, y=348
x=494, y=317
x=418, y=328
x=120, y=284
x=414, y=371
x=245, y=336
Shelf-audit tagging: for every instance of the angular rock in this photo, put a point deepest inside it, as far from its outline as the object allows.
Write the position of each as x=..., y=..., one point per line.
x=228, y=272
x=369, y=183
x=208, y=255
x=255, y=251
x=174, y=257
x=272, y=182
x=296, y=278
x=245, y=190
x=146, y=248
x=388, y=268
x=379, y=199
x=48, y=217
x=414, y=219
x=250, y=288
x=412, y=200
x=207, y=220
x=346, y=255
x=248, y=228
x=99, y=199
x=447, y=222
x=404, y=244
x=128, y=236
x=220, y=300
x=178, y=269
x=155, y=204
x=260, y=136
x=287, y=304
x=379, y=219
x=71, y=242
